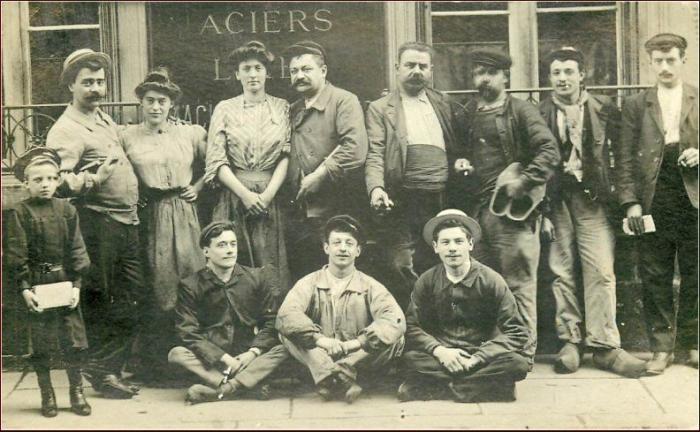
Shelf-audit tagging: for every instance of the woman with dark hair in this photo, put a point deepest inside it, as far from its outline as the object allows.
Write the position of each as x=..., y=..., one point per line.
x=248, y=154
x=164, y=156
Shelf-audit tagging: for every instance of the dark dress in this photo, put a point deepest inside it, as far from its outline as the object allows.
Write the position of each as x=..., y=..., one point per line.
x=42, y=233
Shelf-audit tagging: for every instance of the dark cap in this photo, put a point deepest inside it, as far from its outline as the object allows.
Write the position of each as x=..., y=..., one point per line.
x=306, y=47
x=491, y=58
x=34, y=156
x=344, y=223
x=666, y=41
x=565, y=53
x=213, y=230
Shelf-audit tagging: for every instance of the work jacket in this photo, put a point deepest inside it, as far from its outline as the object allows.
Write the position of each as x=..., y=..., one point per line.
x=365, y=311
x=642, y=146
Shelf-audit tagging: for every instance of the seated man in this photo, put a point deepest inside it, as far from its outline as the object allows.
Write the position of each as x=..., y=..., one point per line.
x=337, y=319
x=217, y=311
x=464, y=329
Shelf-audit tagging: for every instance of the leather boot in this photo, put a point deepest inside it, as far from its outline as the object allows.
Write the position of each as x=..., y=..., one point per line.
x=78, y=403
x=48, y=397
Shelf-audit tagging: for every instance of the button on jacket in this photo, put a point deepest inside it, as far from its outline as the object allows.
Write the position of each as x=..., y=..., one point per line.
x=215, y=317
x=365, y=311
x=79, y=140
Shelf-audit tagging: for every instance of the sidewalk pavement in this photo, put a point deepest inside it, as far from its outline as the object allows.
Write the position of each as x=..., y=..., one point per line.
x=589, y=398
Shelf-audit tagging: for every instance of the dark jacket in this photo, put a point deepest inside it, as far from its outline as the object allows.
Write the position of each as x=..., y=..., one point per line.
x=214, y=317
x=602, y=133
x=480, y=307
x=388, y=137
x=524, y=138
x=642, y=146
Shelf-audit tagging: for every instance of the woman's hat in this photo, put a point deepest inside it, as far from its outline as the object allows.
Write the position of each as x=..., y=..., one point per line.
x=470, y=224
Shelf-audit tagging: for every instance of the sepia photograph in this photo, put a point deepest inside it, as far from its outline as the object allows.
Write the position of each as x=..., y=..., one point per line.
x=347, y=215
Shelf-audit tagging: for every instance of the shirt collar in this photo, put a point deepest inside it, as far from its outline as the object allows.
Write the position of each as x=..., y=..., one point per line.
x=320, y=101
x=355, y=283
x=422, y=96
x=213, y=278
x=90, y=122
x=469, y=278
x=274, y=115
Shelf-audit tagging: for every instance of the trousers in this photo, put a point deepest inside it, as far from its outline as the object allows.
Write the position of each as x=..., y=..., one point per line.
x=256, y=371
x=585, y=243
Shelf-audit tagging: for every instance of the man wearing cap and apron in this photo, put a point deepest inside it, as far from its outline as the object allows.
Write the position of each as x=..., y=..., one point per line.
x=96, y=171
x=502, y=131
x=329, y=147
x=658, y=176
x=580, y=196
x=464, y=337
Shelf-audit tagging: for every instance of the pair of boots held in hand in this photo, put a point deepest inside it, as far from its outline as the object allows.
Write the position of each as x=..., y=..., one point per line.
x=78, y=403
x=615, y=360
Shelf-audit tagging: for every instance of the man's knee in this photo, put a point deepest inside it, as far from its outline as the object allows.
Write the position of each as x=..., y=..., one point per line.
x=516, y=366
x=179, y=355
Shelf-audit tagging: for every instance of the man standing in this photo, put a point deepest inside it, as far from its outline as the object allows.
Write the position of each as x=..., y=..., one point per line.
x=86, y=138
x=218, y=311
x=337, y=320
x=658, y=176
x=329, y=146
x=587, y=127
x=503, y=130
x=412, y=144
x=464, y=330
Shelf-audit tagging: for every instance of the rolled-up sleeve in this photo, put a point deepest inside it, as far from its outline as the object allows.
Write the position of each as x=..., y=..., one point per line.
x=352, y=138
x=216, y=145
x=389, y=323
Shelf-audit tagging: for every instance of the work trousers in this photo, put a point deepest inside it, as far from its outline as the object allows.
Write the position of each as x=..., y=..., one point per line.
x=321, y=365
x=513, y=249
x=113, y=293
x=676, y=234
x=585, y=242
x=256, y=371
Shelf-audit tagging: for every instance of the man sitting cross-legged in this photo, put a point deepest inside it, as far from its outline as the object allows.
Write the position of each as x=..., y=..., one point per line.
x=464, y=331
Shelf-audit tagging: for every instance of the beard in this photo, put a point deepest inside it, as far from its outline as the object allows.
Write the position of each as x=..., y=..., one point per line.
x=488, y=93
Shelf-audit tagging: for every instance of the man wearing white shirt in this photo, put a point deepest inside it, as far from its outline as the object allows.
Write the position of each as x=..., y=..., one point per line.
x=412, y=138
x=658, y=175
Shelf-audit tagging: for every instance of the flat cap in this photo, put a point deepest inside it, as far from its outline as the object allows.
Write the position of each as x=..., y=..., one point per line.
x=493, y=58
x=666, y=41
x=77, y=57
x=565, y=53
x=306, y=47
x=345, y=223
x=33, y=156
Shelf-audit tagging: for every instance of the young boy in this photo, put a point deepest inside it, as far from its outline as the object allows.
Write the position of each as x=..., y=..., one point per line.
x=44, y=246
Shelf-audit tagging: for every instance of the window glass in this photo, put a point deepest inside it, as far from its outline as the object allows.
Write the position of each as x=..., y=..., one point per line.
x=60, y=13
x=455, y=37
x=566, y=4
x=593, y=33
x=468, y=6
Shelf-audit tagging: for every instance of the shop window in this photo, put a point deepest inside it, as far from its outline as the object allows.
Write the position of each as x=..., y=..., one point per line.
x=55, y=30
x=458, y=29
x=590, y=27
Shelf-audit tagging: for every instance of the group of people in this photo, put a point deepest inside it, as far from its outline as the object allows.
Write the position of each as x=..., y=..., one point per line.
x=460, y=199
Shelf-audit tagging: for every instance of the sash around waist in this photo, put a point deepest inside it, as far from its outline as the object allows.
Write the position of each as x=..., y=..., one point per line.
x=253, y=176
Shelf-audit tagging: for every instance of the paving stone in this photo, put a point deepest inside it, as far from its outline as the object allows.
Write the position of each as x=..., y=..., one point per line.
x=673, y=391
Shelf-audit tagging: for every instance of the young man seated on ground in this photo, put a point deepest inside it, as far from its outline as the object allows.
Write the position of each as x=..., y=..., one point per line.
x=218, y=309
x=338, y=320
x=464, y=333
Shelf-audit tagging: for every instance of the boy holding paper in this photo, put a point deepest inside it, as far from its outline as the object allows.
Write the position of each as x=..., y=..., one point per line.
x=45, y=256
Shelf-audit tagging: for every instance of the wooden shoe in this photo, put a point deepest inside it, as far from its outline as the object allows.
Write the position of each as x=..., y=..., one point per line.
x=568, y=360
x=659, y=362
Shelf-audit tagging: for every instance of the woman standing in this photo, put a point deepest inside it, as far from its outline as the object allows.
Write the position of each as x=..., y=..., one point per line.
x=164, y=156
x=248, y=154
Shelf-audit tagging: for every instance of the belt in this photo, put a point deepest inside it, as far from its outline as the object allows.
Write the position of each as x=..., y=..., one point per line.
x=156, y=194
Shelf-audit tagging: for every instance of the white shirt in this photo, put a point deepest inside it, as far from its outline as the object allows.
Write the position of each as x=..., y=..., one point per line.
x=338, y=285
x=670, y=101
x=422, y=123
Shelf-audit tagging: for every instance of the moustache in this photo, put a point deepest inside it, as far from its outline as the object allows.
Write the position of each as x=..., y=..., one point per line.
x=300, y=81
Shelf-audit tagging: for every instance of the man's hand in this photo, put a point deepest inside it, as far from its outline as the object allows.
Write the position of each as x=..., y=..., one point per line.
x=689, y=158
x=547, y=232
x=379, y=200
x=453, y=359
x=106, y=170
x=310, y=184
x=234, y=363
x=189, y=193
x=634, y=219
x=463, y=166
x=516, y=188
x=32, y=301
x=470, y=363
x=350, y=346
x=332, y=346
x=75, y=299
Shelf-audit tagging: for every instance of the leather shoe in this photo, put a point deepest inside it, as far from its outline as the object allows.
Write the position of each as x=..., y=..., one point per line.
x=78, y=403
x=48, y=403
x=112, y=388
x=619, y=361
x=568, y=360
x=659, y=362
